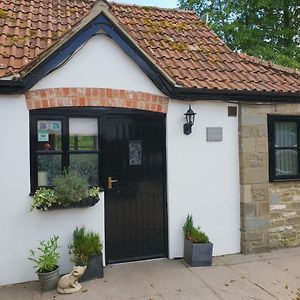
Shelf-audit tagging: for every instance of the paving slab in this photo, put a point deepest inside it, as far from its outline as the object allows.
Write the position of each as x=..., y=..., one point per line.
x=233, y=259
x=291, y=265
x=270, y=278
x=193, y=294
x=20, y=291
x=280, y=253
x=229, y=284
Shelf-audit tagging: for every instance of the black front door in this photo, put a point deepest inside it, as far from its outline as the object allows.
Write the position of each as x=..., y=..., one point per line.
x=135, y=198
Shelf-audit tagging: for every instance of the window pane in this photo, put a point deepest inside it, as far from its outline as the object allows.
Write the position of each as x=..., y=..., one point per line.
x=48, y=135
x=286, y=162
x=83, y=134
x=49, y=166
x=86, y=165
x=286, y=134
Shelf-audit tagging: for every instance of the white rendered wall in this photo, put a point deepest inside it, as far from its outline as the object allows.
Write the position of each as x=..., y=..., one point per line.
x=203, y=177
x=101, y=63
x=21, y=230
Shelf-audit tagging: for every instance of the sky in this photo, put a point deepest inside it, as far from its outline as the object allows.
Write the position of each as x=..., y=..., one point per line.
x=158, y=3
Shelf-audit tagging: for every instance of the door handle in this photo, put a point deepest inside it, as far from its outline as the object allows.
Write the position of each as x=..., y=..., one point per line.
x=110, y=182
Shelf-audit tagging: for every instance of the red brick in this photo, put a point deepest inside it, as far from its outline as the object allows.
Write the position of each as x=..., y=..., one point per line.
x=153, y=107
x=88, y=92
x=75, y=101
x=28, y=95
x=42, y=94
x=45, y=103
x=82, y=101
x=109, y=92
x=94, y=92
x=122, y=98
x=66, y=92
x=122, y=93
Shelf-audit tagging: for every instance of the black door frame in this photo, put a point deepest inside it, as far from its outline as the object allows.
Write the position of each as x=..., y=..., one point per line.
x=159, y=116
x=99, y=113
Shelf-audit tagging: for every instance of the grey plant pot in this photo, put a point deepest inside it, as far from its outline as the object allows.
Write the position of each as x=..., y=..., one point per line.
x=198, y=255
x=94, y=269
x=49, y=281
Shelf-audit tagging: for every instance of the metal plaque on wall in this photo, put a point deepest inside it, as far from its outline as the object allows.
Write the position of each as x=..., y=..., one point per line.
x=214, y=134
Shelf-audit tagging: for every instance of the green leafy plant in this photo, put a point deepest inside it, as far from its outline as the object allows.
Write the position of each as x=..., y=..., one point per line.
x=94, y=191
x=47, y=260
x=188, y=226
x=194, y=235
x=197, y=236
x=43, y=198
x=70, y=187
x=85, y=244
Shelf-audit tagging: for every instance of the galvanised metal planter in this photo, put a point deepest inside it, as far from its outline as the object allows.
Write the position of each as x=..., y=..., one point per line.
x=198, y=255
x=49, y=281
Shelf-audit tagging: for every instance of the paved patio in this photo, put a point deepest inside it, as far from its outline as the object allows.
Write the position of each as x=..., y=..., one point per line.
x=274, y=275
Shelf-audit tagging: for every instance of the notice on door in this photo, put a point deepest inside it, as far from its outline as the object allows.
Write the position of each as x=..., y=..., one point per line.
x=135, y=153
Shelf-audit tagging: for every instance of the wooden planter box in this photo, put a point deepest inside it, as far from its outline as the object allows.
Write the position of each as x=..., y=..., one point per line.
x=198, y=255
x=94, y=269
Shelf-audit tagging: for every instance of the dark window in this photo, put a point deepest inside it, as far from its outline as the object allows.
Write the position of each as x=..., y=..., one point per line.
x=284, y=147
x=59, y=142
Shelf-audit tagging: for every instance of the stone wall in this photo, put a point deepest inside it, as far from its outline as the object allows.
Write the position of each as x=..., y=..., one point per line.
x=270, y=212
x=284, y=214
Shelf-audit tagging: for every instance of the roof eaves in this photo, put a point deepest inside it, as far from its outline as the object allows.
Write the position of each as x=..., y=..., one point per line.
x=194, y=94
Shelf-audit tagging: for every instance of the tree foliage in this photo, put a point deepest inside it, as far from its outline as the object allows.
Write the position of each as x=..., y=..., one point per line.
x=268, y=29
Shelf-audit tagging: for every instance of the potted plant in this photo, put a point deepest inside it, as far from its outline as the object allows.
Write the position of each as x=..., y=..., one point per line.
x=86, y=250
x=47, y=263
x=70, y=190
x=197, y=248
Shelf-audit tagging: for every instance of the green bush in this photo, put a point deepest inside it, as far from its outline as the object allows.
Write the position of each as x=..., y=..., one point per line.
x=43, y=198
x=85, y=244
x=197, y=236
x=47, y=261
x=94, y=191
x=70, y=187
x=188, y=226
x=194, y=235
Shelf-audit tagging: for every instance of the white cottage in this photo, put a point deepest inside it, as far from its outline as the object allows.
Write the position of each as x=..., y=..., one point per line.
x=106, y=87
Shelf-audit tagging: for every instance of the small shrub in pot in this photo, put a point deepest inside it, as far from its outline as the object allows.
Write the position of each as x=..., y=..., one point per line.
x=86, y=249
x=197, y=247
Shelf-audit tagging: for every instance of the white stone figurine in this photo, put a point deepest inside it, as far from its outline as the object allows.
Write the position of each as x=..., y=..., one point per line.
x=68, y=284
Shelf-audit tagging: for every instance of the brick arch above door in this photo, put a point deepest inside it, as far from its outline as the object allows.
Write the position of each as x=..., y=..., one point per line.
x=100, y=97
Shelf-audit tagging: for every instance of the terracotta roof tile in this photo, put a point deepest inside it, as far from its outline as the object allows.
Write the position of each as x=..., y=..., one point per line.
x=185, y=48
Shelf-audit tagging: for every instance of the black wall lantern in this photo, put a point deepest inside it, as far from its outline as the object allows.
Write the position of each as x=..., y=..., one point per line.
x=190, y=118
